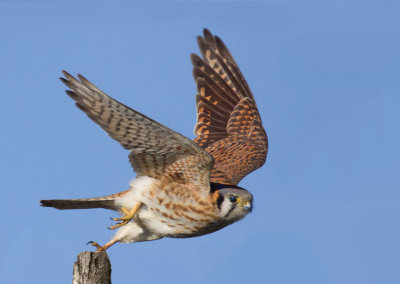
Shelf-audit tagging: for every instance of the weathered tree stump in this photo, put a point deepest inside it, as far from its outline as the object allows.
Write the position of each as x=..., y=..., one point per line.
x=92, y=268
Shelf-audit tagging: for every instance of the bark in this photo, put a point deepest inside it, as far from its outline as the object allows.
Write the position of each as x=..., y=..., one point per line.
x=92, y=268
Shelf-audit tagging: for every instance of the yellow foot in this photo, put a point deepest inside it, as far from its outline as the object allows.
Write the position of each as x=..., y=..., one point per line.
x=102, y=248
x=125, y=218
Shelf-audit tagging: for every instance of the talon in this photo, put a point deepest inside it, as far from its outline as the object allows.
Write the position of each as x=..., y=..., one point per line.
x=123, y=218
x=126, y=218
x=123, y=223
x=96, y=245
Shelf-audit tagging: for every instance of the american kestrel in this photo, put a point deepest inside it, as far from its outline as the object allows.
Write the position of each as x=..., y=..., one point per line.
x=183, y=188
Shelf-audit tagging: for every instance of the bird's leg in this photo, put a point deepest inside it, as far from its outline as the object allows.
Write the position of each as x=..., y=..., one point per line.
x=128, y=215
x=102, y=248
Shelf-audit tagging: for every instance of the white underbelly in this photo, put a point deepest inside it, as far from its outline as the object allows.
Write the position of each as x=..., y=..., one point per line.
x=156, y=218
x=155, y=222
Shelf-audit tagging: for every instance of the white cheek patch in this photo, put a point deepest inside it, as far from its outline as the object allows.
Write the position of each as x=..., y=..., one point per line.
x=232, y=212
x=226, y=206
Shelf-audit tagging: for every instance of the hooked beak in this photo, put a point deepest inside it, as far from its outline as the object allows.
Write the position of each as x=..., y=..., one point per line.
x=247, y=206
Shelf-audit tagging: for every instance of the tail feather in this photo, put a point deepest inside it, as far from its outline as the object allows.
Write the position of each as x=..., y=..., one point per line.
x=107, y=202
x=78, y=204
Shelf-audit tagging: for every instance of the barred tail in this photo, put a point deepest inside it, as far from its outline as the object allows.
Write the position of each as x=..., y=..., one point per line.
x=107, y=202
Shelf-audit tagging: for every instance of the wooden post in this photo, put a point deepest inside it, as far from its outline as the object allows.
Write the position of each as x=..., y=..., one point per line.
x=92, y=268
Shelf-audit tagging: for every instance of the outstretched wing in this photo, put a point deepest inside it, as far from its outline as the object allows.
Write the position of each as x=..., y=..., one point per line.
x=228, y=124
x=156, y=151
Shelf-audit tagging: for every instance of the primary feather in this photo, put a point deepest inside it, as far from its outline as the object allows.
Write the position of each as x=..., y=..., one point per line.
x=228, y=124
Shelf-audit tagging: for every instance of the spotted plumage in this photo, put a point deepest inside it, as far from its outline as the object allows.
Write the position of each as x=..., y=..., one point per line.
x=228, y=124
x=183, y=188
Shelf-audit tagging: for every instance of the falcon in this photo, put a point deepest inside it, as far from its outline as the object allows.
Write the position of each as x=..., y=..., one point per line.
x=183, y=188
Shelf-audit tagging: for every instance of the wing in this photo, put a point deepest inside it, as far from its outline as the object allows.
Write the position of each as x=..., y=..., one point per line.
x=228, y=124
x=156, y=151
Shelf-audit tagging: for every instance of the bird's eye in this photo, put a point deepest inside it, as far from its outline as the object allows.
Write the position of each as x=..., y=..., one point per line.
x=233, y=199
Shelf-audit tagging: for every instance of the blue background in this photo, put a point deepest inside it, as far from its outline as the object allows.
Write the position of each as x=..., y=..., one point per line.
x=326, y=80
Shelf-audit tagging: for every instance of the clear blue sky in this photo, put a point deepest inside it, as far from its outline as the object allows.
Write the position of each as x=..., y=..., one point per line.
x=326, y=80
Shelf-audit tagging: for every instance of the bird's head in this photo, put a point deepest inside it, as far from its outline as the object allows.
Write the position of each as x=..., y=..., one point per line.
x=233, y=202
